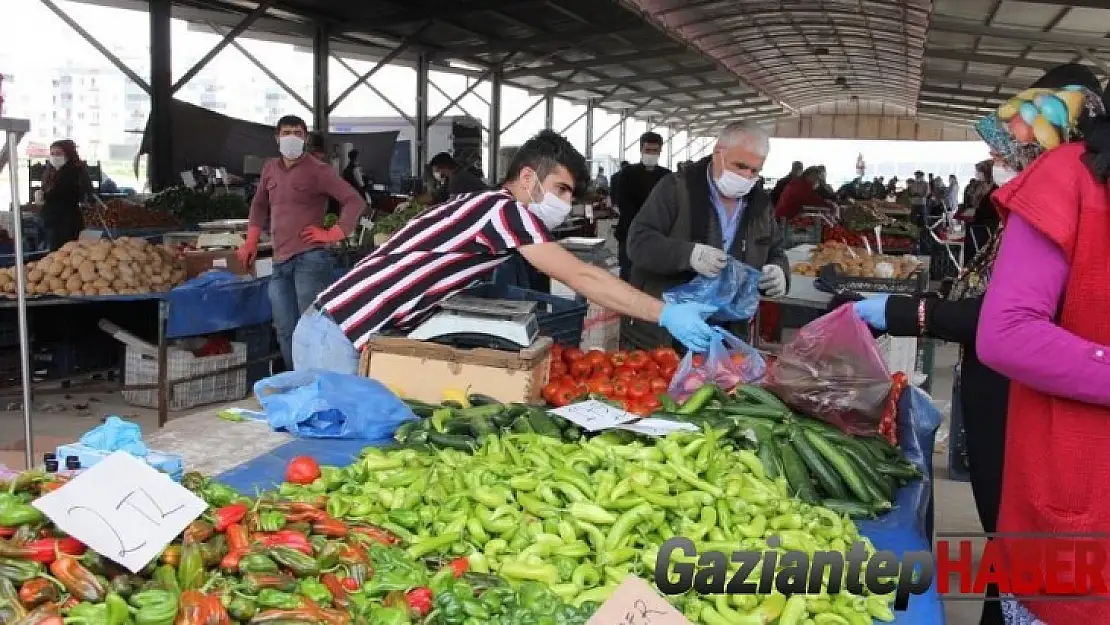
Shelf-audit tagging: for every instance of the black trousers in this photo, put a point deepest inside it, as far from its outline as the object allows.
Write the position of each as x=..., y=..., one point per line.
x=622, y=259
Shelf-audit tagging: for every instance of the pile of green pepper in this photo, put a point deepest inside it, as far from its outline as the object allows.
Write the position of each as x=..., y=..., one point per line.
x=579, y=517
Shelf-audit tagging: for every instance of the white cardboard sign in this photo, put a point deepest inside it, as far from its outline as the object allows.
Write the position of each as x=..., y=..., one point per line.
x=594, y=415
x=652, y=426
x=122, y=509
x=634, y=602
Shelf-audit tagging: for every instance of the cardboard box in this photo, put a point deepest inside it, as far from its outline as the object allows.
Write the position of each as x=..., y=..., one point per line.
x=200, y=261
x=422, y=370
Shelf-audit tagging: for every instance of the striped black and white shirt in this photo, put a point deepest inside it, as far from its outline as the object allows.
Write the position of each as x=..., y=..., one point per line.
x=443, y=250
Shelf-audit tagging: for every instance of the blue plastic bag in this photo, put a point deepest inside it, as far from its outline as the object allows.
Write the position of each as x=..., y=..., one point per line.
x=115, y=434
x=729, y=362
x=323, y=404
x=734, y=291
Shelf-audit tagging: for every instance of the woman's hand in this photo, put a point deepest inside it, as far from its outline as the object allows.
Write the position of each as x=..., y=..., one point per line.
x=873, y=311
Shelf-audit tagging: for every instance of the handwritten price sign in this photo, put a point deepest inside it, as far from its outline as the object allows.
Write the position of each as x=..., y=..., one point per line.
x=122, y=509
x=594, y=415
x=636, y=603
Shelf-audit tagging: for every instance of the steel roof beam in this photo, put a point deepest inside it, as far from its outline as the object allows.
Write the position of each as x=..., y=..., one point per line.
x=950, y=103
x=948, y=24
x=685, y=72
x=977, y=79
x=529, y=44
x=454, y=10
x=991, y=59
x=600, y=61
x=990, y=96
x=726, y=88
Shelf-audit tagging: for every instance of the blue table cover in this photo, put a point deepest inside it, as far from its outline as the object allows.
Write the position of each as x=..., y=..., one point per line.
x=906, y=528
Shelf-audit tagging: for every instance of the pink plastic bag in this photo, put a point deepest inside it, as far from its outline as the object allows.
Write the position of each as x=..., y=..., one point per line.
x=833, y=371
x=729, y=362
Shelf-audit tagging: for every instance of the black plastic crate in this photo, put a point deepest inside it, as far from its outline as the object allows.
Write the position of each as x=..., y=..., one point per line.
x=561, y=319
x=68, y=358
x=261, y=342
x=914, y=285
x=10, y=366
x=803, y=235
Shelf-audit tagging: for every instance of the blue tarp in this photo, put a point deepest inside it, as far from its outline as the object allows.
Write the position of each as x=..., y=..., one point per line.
x=906, y=528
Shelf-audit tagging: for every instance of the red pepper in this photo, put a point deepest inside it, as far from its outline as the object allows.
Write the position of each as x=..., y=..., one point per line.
x=337, y=588
x=7, y=532
x=286, y=538
x=376, y=534
x=229, y=515
x=459, y=566
x=330, y=527
x=351, y=584
x=46, y=550
x=237, y=537
x=420, y=600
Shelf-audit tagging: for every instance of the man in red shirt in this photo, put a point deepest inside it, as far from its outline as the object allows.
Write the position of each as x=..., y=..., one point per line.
x=799, y=193
x=292, y=198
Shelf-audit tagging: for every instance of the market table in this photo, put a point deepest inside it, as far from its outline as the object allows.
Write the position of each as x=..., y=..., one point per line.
x=248, y=456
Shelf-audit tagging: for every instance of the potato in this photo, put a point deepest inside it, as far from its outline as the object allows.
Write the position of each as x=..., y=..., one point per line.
x=121, y=253
x=34, y=276
x=76, y=260
x=99, y=253
x=106, y=273
x=67, y=273
x=56, y=269
x=87, y=271
x=74, y=283
x=90, y=290
x=72, y=245
x=107, y=291
x=56, y=284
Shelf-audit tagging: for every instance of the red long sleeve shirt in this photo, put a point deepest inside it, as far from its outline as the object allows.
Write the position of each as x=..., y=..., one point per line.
x=798, y=193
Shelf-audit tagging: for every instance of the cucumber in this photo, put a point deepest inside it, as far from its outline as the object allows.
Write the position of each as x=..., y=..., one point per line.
x=478, y=399
x=772, y=464
x=452, y=441
x=756, y=411
x=853, y=509
x=825, y=476
x=543, y=424
x=879, y=484
x=880, y=446
x=419, y=408
x=899, y=471
x=796, y=475
x=759, y=396
x=842, y=466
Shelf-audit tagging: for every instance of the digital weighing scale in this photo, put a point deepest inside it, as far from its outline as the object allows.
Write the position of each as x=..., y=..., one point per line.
x=467, y=321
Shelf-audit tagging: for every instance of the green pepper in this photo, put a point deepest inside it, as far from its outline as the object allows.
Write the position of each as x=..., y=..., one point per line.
x=254, y=583
x=257, y=563
x=698, y=400
x=271, y=598
x=328, y=554
x=315, y=590
x=300, y=564
x=240, y=608
x=191, y=573
x=116, y=610
x=432, y=545
x=381, y=615
x=165, y=577
x=440, y=417
x=154, y=607
x=20, y=570
x=218, y=495
x=14, y=513
x=271, y=521
x=85, y=613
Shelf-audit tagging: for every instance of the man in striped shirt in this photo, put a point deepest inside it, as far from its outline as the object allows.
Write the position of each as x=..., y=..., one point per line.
x=450, y=246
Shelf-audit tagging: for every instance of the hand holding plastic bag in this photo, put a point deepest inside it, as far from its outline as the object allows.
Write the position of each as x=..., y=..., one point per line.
x=323, y=404
x=729, y=362
x=734, y=291
x=833, y=371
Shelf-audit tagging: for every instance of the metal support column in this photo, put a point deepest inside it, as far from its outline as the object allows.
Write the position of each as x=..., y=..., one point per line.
x=13, y=129
x=423, y=62
x=160, y=160
x=689, y=140
x=621, y=136
x=670, y=146
x=549, y=112
x=321, y=98
x=495, y=125
x=589, y=130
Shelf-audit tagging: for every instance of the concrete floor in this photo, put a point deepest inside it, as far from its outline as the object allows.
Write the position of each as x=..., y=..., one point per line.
x=63, y=418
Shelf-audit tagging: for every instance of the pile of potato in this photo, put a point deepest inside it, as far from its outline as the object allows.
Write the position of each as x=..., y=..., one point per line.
x=126, y=266
x=857, y=263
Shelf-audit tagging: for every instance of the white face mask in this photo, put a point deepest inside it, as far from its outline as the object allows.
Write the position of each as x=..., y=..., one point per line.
x=649, y=160
x=551, y=210
x=291, y=146
x=57, y=161
x=1002, y=174
x=732, y=185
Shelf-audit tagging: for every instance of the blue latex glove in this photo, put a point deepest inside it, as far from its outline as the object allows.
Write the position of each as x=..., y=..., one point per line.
x=686, y=322
x=873, y=311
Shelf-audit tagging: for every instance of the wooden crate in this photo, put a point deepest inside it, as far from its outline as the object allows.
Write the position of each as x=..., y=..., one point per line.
x=423, y=370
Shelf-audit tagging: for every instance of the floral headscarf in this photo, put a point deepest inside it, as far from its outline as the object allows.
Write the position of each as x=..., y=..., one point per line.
x=1037, y=120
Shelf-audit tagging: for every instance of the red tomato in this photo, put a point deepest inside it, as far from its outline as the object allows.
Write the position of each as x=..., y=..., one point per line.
x=564, y=396
x=659, y=385
x=618, y=358
x=596, y=358
x=638, y=390
x=640, y=409
x=558, y=368
x=619, y=404
x=663, y=355
x=581, y=389
x=594, y=384
x=625, y=373
x=580, y=369
x=699, y=360
x=605, y=389
x=620, y=388
x=549, y=392
x=571, y=354
x=667, y=370
x=302, y=470
x=557, y=351
x=737, y=358
x=604, y=369
x=650, y=368
x=638, y=359
x=651, y=403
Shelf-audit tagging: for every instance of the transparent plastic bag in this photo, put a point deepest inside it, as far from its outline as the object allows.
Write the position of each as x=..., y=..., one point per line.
x=729, y=362
x=833, y=370
x=734, y=291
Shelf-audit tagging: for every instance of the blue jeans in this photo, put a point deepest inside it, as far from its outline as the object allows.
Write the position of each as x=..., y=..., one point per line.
x=294, y=285
x=319, y=343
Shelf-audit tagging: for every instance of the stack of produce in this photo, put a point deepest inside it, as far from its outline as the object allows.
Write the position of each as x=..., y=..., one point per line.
x=189, y=206
x=122, y=214
x=391, y=223
x=633, y=379
x=269, y=560
x=857, y=262
x=855, y=476
x=126, y=266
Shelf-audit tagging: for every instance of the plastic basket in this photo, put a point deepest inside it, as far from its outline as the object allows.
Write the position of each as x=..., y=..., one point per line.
x=560, y=318
x=260, y=342
x=142, y=368
x=802, y=235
